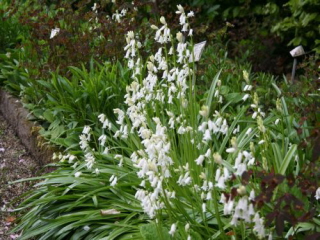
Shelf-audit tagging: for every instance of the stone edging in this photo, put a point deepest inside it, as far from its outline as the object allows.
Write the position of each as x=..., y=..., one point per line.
x=27, y=131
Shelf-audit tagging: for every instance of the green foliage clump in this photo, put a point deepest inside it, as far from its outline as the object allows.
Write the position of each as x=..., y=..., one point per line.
x=301, y=24
x=12, y=31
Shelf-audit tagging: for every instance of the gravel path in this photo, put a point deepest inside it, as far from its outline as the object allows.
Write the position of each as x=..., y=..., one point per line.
x=15, y=163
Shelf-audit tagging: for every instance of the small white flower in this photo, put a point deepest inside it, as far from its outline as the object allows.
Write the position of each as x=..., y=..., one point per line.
x=187, y=227
x=252, y=195
x=204, y=208
x=207, y=135
x=261, y=142
x=113, y=180
x=184, y=27
x=95, y=7
x=236, y=130
x=247, y=88
x=221, y=183
x=71, y=158
x=77, y=174
x=231, y=150
x=227, y=209
x=209, y=196
x=180, y=9
x=317, y=196
x=191, y=14
x=245, y=97
x=54, y=32
x=251, y=211
x=218, y=174
x=234, y=220
x=248, y=131
x=106, y=151
x=203, y=126
x=277, y=121
x=102, y=139
x=102, y=117
x=223, y=198
x=200, y=160
x=173, y=229
x=86, y=228
x=226, y=173
x=208, y=153
x=170, y=51
x=86, y=130
x=254, y=115
x=259, y=226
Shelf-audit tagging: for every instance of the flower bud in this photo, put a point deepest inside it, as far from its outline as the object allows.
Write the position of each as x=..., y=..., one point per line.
x=154, y=27
x=241, y=190
x=179, y=37
x=204, y=111
x=163, y=20
x=217, y=158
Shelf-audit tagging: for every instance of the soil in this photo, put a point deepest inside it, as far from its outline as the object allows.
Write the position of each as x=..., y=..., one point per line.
x=15, y=163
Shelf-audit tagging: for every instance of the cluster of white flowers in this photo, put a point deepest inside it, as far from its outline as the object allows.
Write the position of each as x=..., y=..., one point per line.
x=84, y=145
x=222, y=178
x=242, y=161
x=212, y=127
x=95, y=8
x=85, y=138
x=62, y=158
x=206, y=190
x=243, y=210
x=106, y=124
x=163, y=85
x=72, y=159
x=163, y=34
x=153, y=161
x=217, y=92
x=118, y=15
x=183, y=19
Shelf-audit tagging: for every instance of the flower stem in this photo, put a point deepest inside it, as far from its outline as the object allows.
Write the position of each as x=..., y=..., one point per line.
x=216, y=210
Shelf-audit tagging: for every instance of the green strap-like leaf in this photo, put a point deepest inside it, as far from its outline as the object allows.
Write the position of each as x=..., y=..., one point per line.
x=287, y=159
